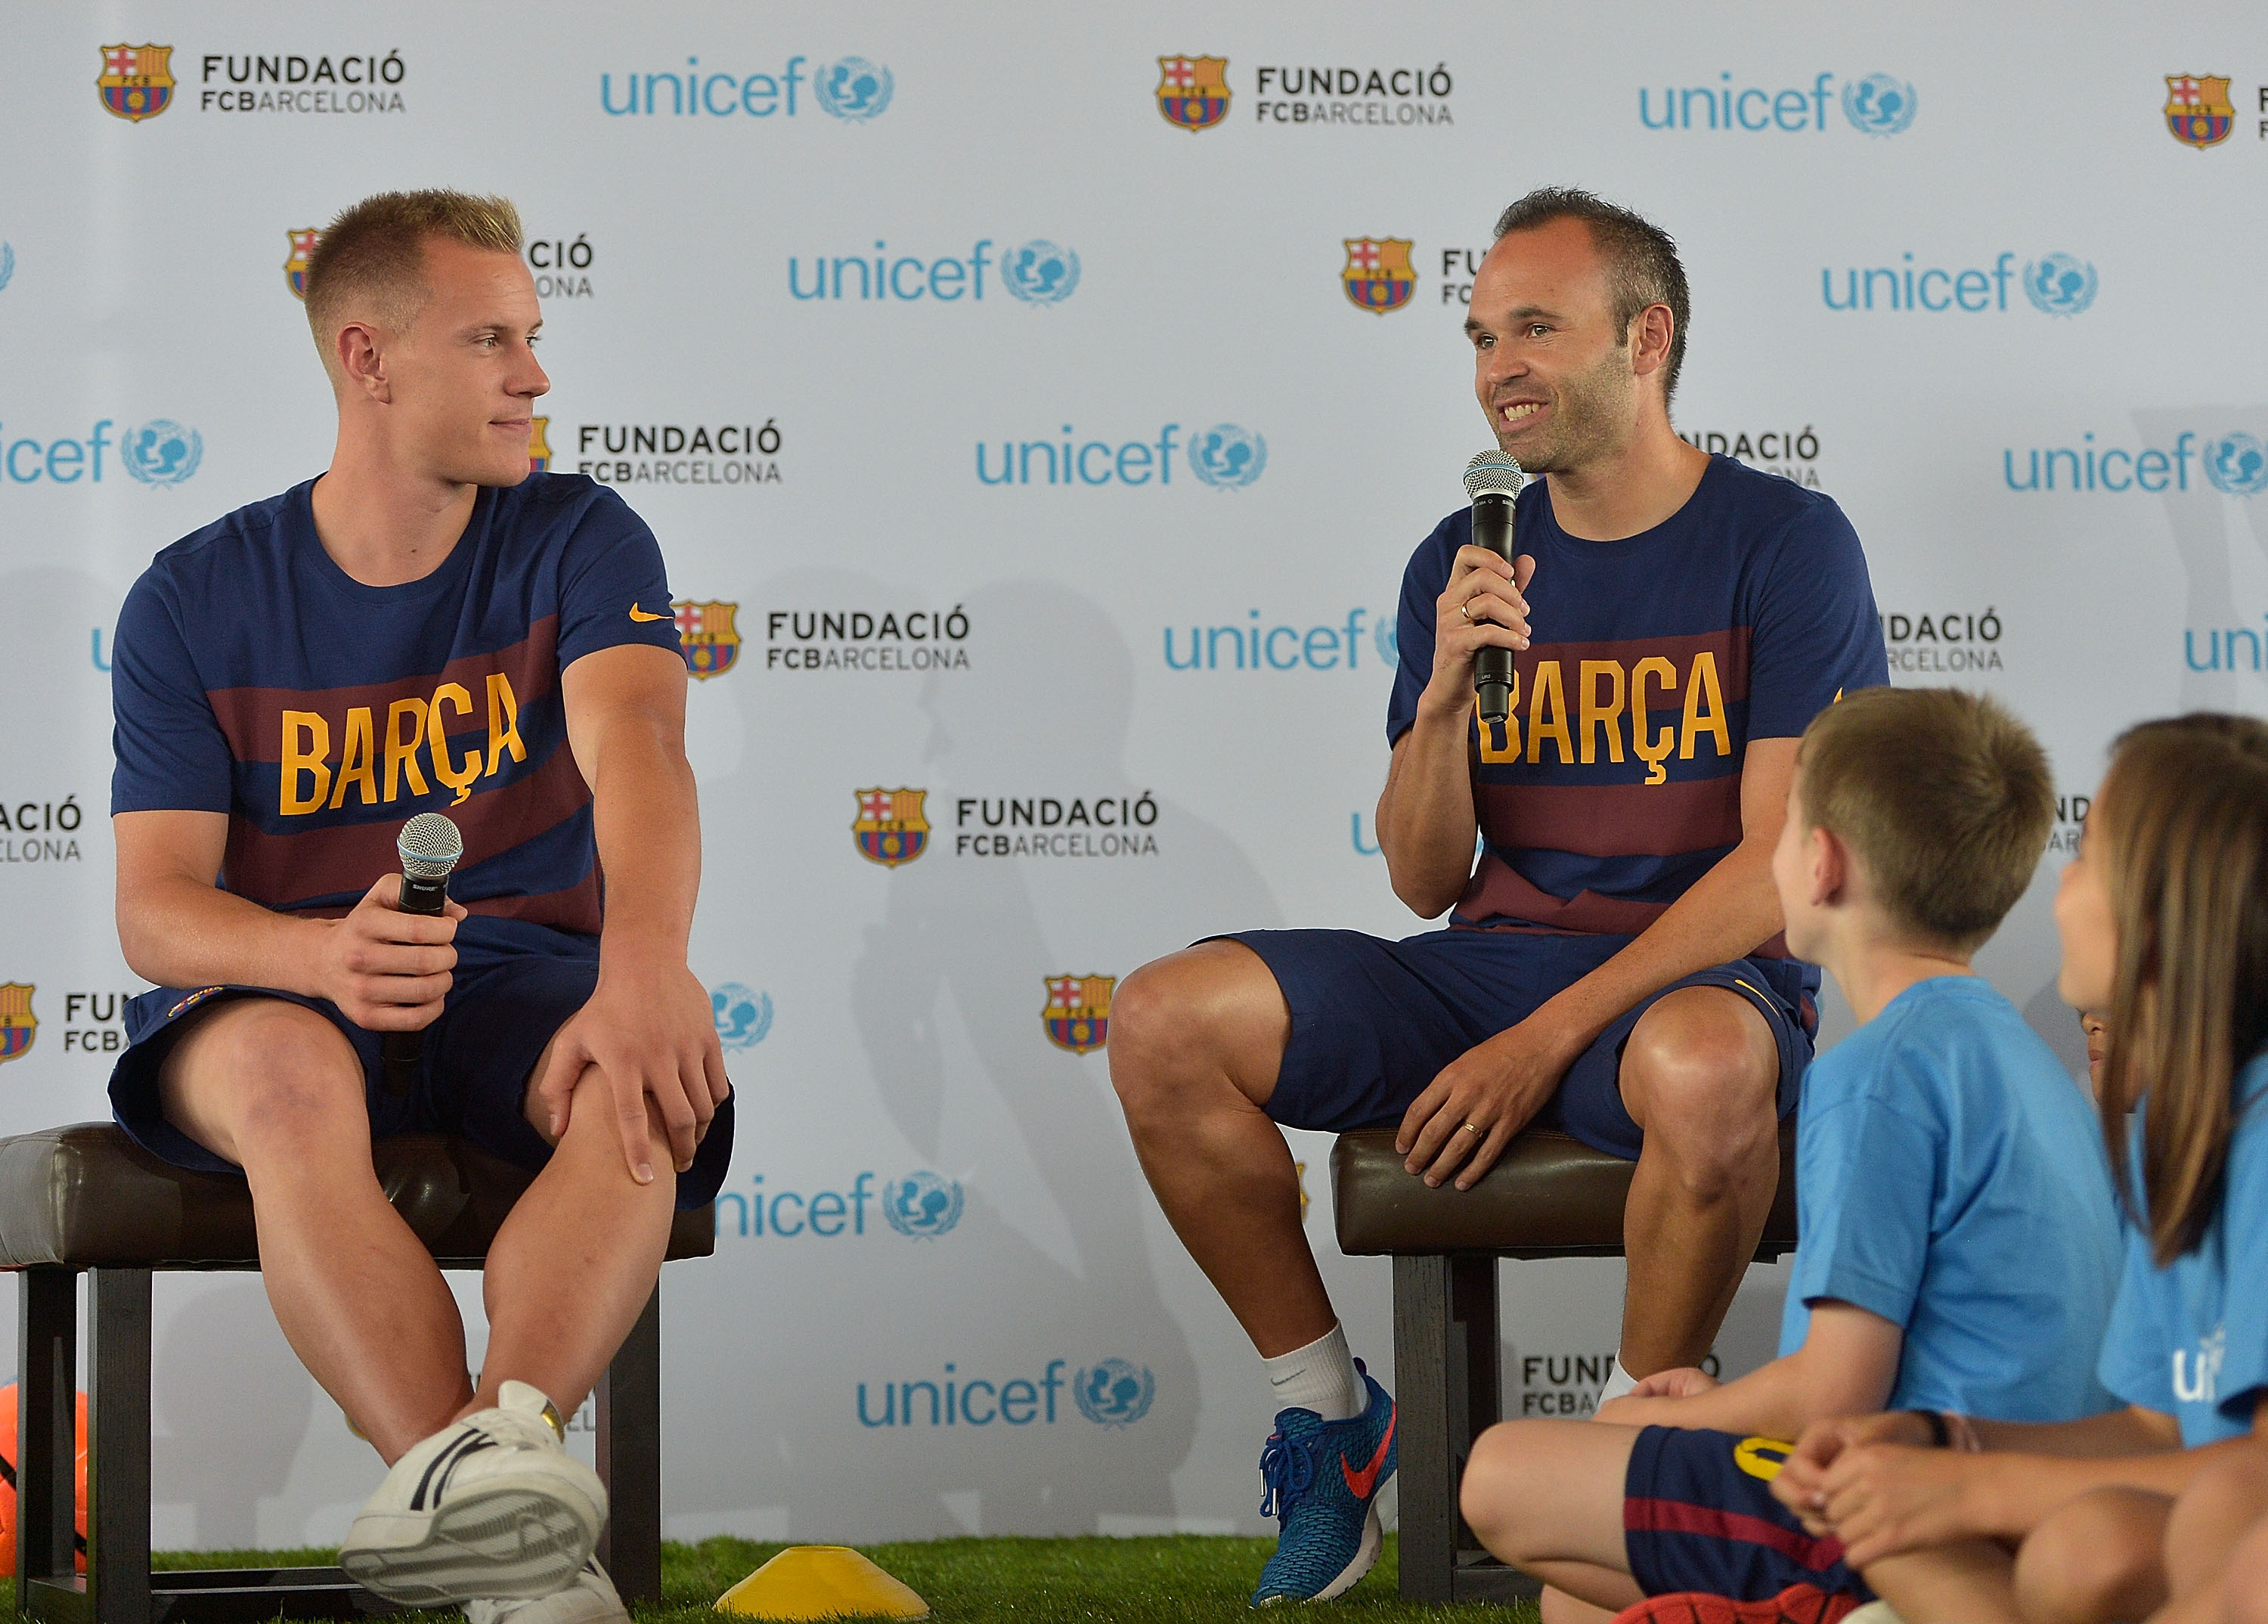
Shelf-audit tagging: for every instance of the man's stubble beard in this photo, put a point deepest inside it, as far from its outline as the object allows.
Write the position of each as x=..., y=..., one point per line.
x=1592, y=407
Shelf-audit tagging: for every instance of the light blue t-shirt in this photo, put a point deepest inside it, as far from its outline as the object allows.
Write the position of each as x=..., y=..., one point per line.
x=1950, y=1178
x=2191, y=1340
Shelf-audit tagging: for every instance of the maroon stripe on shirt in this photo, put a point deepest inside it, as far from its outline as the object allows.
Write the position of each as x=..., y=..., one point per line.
x=1728, y=648
x=1614, y=820
x=275, y=870
x=252, y=719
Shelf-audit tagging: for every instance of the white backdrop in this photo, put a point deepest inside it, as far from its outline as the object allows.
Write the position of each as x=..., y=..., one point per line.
x=1065, y=268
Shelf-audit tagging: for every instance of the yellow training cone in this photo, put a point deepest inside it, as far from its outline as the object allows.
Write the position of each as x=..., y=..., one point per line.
x=822, y=1582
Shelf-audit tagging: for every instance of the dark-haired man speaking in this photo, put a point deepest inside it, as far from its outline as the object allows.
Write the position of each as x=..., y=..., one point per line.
x=1613, y=961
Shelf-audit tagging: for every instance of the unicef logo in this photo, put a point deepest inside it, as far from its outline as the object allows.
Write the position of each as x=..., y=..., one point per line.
x=161, y=451
x=1115, y=1393
x=1386, y=631
x=854, y=88
x=1878, y=104
x=1041, y=272
x=2059, y=284
x=2238, y=464
x=1226, y=457
x=743, y=1016
x=922, y=1205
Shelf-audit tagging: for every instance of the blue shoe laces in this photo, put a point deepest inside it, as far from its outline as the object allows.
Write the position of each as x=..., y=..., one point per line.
x=1287, y=1471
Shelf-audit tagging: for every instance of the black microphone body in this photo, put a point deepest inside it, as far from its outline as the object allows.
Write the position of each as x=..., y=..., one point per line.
x=1493, y=480
x=1492, y=667
x=430, y=847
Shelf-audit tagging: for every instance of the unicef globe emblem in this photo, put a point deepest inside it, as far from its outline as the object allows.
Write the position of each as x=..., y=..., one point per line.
x=1041, y=272
x=161, y=451
x=2238, y=464
x=1386, y=632
x=922, y=1205
x=1878, y=104
x=1115, y=1393
x=854, y=88
x=2059, y=284
x=743, y=1016
x=1226, y=457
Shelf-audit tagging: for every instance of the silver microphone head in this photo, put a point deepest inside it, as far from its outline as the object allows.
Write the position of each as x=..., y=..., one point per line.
x=1493, y=473
x=430, y=846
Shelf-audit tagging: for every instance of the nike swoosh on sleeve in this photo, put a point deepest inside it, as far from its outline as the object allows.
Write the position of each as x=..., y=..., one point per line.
x=640, y=615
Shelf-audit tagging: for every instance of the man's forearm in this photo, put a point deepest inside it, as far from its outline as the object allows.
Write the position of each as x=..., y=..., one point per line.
x=181, y=932
x=647, y=822
x=1728, y=913
x=1426, y=823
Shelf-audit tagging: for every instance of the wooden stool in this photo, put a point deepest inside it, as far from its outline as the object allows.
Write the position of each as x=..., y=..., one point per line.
x=86, y=1197
x=1548, y=1196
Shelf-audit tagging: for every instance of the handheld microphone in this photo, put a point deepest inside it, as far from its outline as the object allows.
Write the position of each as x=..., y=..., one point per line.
x=1493, y=480
x=430, y=846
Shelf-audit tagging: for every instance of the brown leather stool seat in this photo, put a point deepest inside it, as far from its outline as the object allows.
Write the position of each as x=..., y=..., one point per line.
x=86, y=1197
x=1549, y=1195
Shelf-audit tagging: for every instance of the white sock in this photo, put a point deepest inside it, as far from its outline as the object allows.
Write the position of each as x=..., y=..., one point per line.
x=1619, y=1382
x=1320, y=1377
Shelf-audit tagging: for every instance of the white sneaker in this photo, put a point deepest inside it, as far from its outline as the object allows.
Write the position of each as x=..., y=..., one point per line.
x=491, y=1506
x=591, y=1600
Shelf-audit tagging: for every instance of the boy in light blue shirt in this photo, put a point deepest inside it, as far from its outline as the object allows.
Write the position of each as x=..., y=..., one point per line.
x=1959, y=1245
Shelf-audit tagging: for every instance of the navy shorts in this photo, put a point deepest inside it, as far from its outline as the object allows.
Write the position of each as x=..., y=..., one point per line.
x=1373, y=1022
x=1698, y=1515
x=514, y=985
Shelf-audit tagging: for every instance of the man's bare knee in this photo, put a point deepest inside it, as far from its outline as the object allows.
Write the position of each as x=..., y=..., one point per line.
x=1192, y=1021
x=260, y=1076
x=2096, y=1559
x=1700, y=1074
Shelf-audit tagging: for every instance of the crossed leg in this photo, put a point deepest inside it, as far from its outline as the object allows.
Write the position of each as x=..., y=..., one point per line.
x=278, y=1089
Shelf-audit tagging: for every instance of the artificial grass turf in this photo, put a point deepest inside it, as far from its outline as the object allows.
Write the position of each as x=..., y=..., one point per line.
x=1178, y=1579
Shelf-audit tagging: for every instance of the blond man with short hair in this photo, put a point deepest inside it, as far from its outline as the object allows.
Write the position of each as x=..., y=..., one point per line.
x=426, y=626
x=1959, y=1245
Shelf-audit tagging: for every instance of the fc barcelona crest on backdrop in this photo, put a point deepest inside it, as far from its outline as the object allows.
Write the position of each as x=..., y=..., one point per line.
x=1078, y=1015
x=1378, y=275
x=890, y=828
x=135, y=83
x=1193, y=91
x=18, y=1023
x=2198, y=109
x=295, y=264
x=539, y=449
x=705, y=630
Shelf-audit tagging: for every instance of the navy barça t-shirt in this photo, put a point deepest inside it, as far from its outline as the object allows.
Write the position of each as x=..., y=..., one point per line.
x=253, y=676
x=1655, y=660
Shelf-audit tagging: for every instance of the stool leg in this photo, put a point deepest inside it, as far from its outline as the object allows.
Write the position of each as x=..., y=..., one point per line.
x=47, y=1360
x=1426, y=1395
x=118, y=1446
x=630, y=1458
x=1477, y=1357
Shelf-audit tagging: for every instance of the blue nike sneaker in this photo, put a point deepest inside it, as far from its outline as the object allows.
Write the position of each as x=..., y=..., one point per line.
x=1321, y=1481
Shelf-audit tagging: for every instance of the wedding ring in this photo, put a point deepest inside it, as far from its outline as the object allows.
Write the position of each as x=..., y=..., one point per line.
x=1466, y=610
x=1469, y=1128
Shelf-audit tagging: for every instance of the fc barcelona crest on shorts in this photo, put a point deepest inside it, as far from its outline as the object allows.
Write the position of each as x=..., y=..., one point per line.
x=18, y=1023
x=1078, y=1015
x=1193, y=91
x=295, y=264
x=1378, y=274
x=539, y=449
x=2198, y=109
x=890, y=828
x=705, y=630
x=135, y=82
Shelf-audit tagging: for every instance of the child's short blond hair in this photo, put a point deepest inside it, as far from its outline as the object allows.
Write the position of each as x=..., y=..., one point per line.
x=1943, y=797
